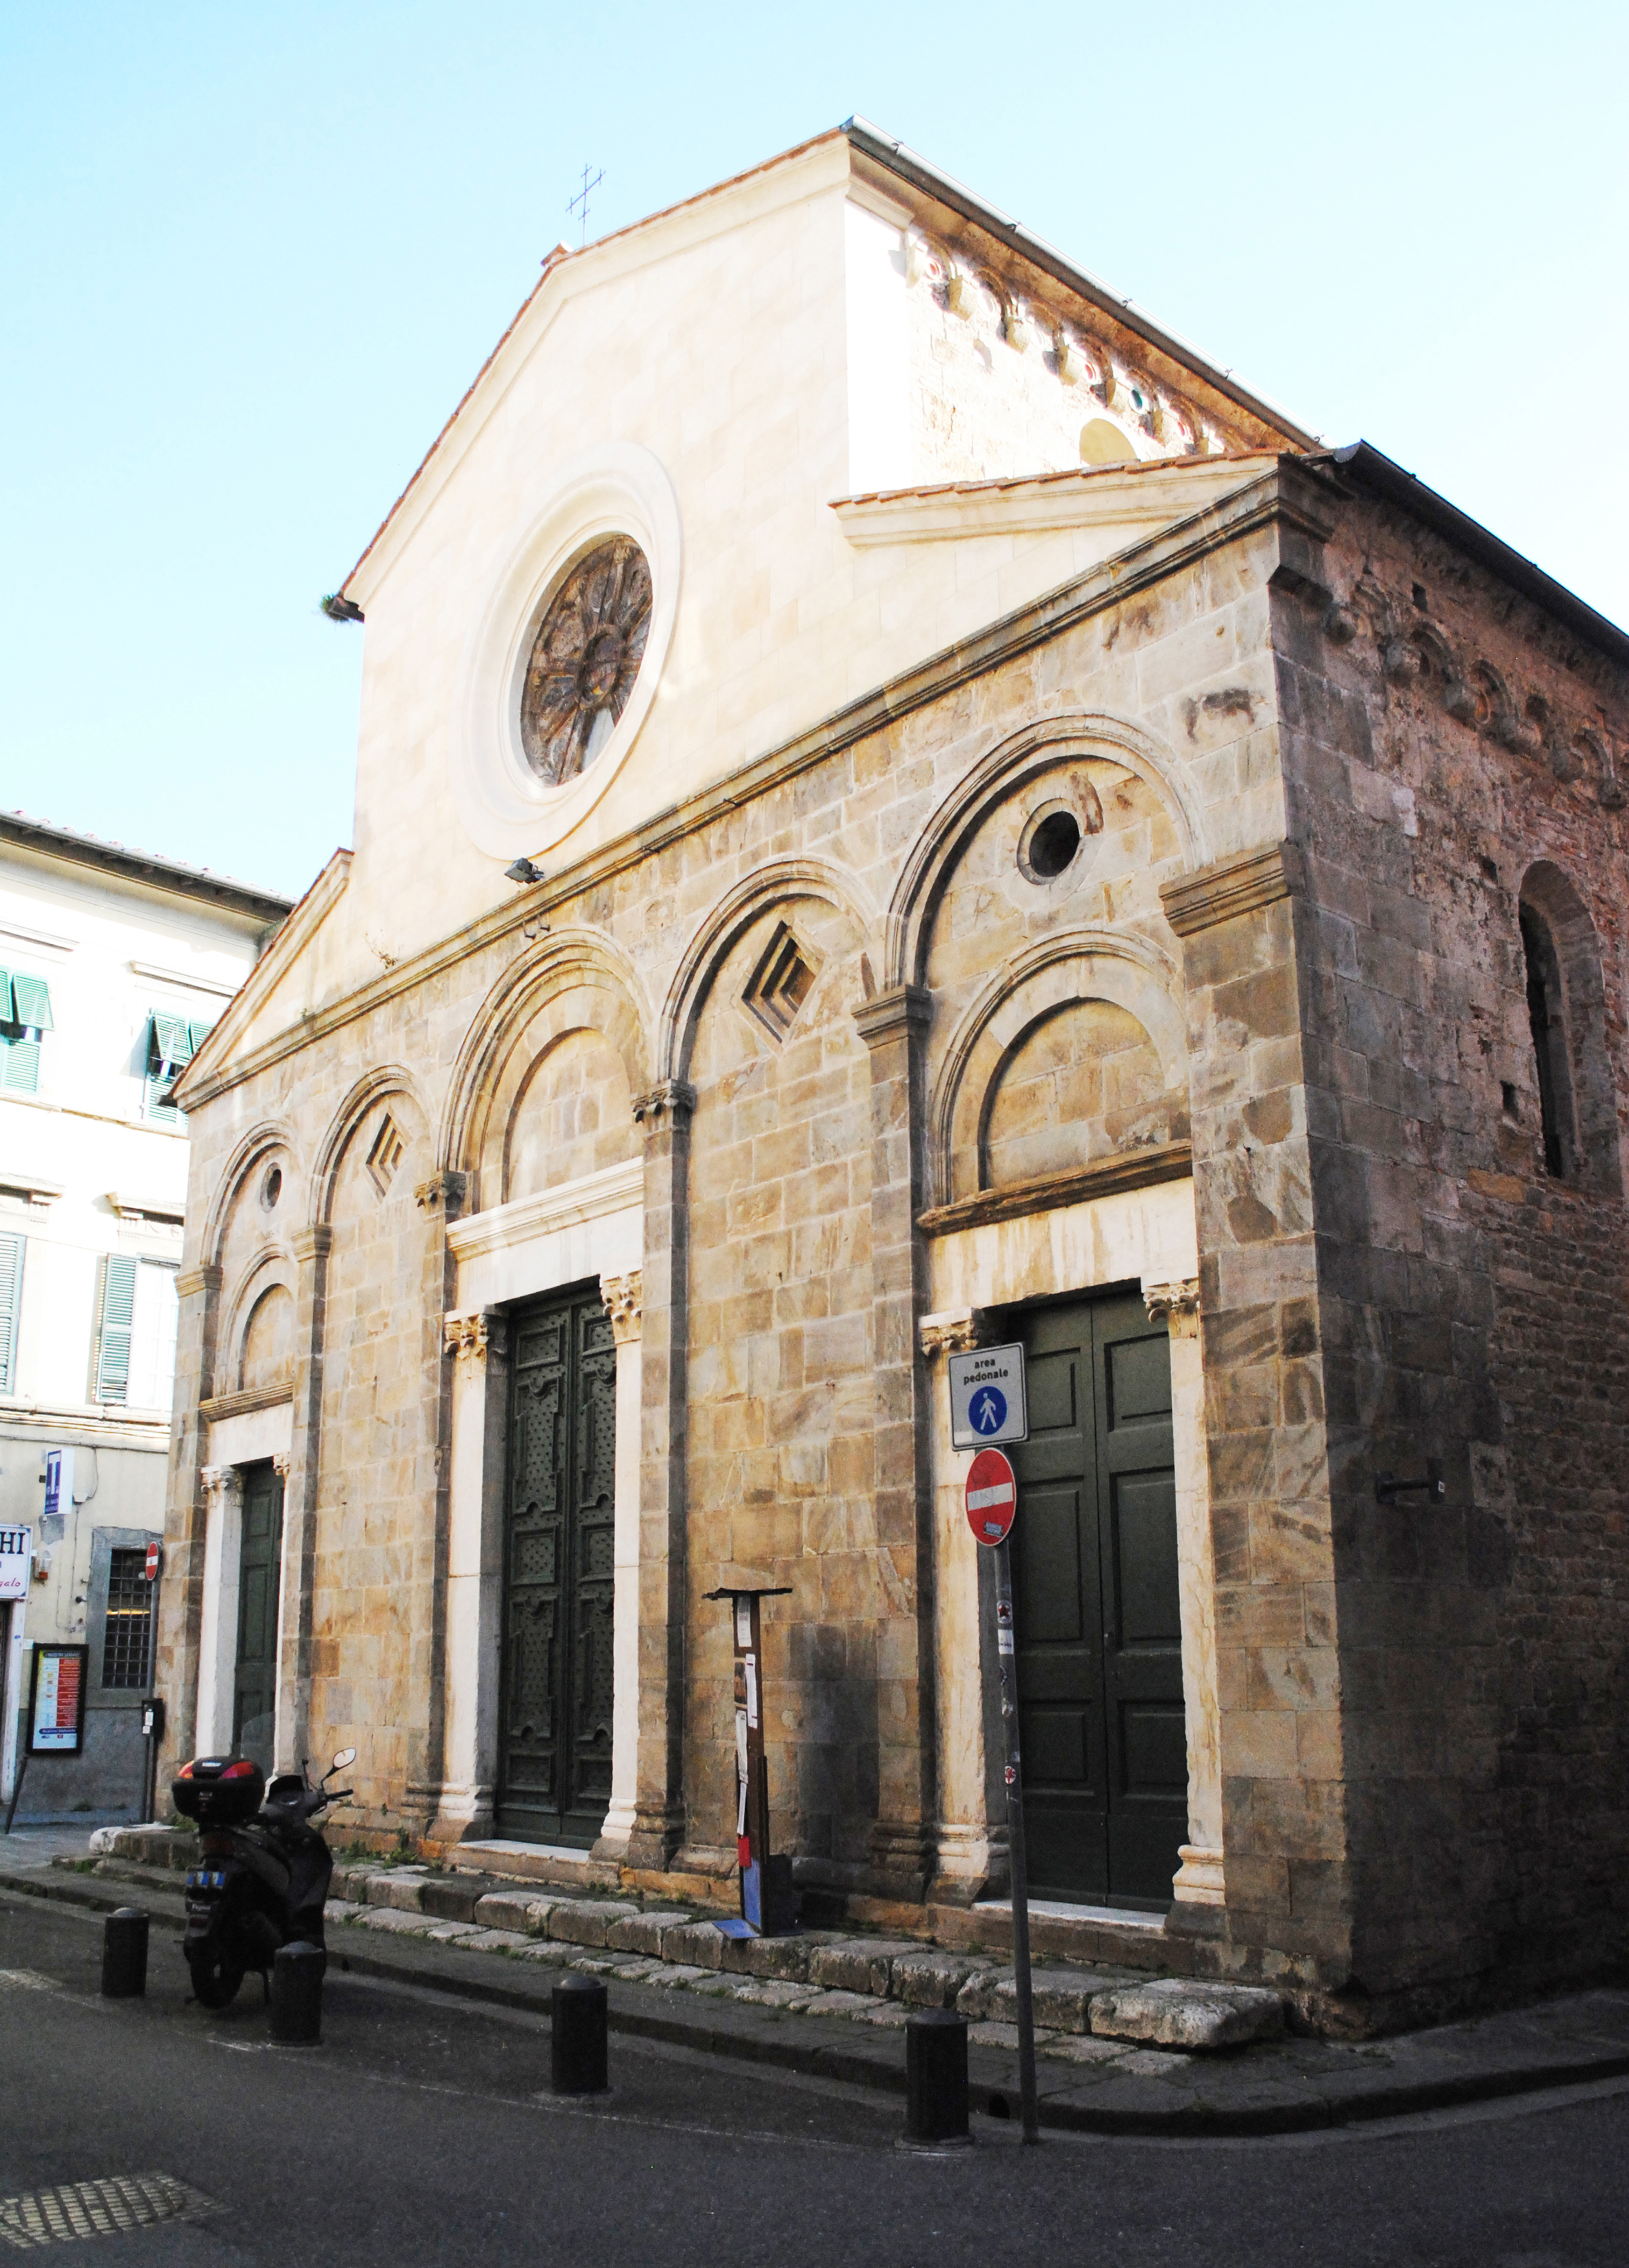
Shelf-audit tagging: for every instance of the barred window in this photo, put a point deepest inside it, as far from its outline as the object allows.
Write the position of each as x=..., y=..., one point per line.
x=127, y=1647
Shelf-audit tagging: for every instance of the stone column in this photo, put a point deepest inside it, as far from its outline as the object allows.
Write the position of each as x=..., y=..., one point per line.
x=624, y=1297
x=476, y=1346
x=1198, y=1879
x=658, y=1826
x=893, y=1026
x=181, y=1594
x=217, y=1640
x=440, y=1199
x=311, y=1247
x=971, y=1830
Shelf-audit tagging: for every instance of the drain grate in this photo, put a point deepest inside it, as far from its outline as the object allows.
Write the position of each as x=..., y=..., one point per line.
x=75, y=2209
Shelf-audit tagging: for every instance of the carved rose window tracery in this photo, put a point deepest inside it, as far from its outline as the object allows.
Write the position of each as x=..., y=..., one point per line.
x=584, y=660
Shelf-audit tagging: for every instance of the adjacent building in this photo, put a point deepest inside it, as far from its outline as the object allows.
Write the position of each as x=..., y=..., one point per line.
x=114, y=967
x=900, y=808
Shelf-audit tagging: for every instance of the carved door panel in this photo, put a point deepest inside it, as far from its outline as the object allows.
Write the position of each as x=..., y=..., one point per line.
x=1095, y=1605
x=555, y=1748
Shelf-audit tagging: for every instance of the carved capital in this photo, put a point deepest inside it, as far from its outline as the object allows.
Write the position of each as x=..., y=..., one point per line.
x=443, y=1193
x=959, y=1330
x=282, y=1459
x=1178, y=1304
x=221, y=1480
x=624, y=1297
x=1231, y=886
x=904, y=1011
x=314, y=1243
x=669, y=1103
x=191, y=1281
x=464, y=1332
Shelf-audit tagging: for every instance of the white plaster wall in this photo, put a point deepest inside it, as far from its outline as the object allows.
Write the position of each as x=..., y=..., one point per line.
x=876, y=306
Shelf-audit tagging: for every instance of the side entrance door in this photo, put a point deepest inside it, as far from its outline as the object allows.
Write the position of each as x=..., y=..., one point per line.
x=1095, y=1598
x=260, y=1582
x=554, y=1726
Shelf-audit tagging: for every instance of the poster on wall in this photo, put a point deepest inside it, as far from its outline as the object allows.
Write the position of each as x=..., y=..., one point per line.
x=15, y=1559
x=56, y=1700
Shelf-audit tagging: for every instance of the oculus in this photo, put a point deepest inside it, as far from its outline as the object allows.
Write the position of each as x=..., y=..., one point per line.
x=584, y=660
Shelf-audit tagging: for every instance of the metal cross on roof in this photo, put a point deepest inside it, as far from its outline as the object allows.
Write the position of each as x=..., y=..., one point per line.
x=581, y=197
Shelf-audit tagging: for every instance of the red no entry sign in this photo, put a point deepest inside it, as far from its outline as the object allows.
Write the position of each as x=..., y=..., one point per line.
x=151, y=1570
x=991, y=1497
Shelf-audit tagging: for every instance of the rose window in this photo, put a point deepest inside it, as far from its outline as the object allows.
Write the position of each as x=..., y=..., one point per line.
x=584, y=660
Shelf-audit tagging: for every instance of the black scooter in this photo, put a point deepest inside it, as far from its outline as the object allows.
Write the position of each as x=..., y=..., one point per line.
x=266, y=1870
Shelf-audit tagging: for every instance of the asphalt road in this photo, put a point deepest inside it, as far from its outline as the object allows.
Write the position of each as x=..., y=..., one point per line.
x=421, y=2130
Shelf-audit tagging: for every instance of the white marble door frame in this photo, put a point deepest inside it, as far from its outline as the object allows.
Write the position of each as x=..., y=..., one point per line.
x=1147, y=1237
x=591, y=1227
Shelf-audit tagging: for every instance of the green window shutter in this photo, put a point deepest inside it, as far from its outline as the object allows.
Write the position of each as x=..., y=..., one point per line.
x=10, y=1307
x=19, y=1064
x=112, y=1351
x=199, y=1034
x=31, y=999
x=169, y=1046
x=5, y=996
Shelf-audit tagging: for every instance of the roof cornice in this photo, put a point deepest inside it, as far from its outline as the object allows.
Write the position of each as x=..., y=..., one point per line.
x=907, y=165
x=49, y=842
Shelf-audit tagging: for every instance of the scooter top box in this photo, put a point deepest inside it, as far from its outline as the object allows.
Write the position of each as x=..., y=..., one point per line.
x=219, y=1791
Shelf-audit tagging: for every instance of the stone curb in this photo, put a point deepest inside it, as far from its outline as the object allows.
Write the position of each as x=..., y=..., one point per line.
x=1269, y=2088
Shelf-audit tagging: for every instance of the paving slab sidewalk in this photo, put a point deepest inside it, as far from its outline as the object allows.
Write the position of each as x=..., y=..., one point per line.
x=1086, y=2083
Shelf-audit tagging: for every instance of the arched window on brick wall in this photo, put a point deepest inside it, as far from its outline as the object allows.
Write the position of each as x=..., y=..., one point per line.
x=1566, y=1017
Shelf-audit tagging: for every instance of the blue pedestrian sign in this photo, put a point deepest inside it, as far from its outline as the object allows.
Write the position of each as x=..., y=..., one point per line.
x=988, y=1413
x=986, y=1397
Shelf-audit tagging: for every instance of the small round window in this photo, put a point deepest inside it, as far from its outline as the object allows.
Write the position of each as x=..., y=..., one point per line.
x=271, y=1188
x=1053, y=842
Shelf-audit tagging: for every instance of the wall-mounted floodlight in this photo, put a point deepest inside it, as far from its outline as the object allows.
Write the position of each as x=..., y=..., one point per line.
x=523, y=870
x=339, y=609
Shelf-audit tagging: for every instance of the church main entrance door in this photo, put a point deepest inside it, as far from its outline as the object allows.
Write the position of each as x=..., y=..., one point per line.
x=1094, y=1549
x=554, y=1726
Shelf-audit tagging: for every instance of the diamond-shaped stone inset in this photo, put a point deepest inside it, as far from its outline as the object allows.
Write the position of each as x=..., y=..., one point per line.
x=782, y=981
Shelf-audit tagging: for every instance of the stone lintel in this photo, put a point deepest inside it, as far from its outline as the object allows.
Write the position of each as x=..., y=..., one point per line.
x=216, y=1406
x=1231, y=886
x=1132, y=1170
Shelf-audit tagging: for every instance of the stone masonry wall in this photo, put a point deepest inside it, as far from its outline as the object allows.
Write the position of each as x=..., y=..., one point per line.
x=1438, y=738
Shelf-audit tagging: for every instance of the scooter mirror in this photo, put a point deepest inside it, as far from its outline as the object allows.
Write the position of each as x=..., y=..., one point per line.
x=345, y=1757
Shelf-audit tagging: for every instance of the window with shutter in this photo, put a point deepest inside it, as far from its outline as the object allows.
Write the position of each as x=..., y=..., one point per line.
x=112, y=1341
x=12, y=1248
x=25, y=1013
x=169, y=1050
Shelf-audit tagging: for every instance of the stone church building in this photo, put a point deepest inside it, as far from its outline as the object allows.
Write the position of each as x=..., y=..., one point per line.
x=899, y=808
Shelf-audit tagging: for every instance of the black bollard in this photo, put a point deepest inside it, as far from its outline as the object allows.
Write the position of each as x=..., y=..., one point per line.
x=577, y=2059
x=936, y=2076
x=124, y=1954
x=297, y=1994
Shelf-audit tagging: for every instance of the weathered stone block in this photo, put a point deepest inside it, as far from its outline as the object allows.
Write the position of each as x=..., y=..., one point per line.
x=693, y=1944
x=926, y=1979
x=584, y=1921
x=1174, y=2012
x=507, y=1910
x=642, y=1933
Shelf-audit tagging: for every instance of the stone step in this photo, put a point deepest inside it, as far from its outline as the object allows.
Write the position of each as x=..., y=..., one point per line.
x=535, y=1862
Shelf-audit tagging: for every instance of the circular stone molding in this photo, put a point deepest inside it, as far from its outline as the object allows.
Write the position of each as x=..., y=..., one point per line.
x=546, y=710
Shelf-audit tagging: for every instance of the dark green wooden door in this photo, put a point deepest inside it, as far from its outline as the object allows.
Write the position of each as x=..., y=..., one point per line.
x=259, y=1575
x=1094, y=1550
x=554, y=1758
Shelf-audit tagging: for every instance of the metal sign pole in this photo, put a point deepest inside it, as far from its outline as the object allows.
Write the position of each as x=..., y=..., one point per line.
x=1014, y=1839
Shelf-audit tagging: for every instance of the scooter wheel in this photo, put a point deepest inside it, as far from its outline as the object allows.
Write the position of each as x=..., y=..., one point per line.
x=216, y=1978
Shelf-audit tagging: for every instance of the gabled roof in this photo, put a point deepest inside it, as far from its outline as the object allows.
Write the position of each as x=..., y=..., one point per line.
x=907, y=167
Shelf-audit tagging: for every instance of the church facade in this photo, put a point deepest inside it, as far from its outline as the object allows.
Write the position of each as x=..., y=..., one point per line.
x=898, y=809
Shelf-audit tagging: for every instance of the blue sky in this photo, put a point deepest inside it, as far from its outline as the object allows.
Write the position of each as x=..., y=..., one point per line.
x=253, y=254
